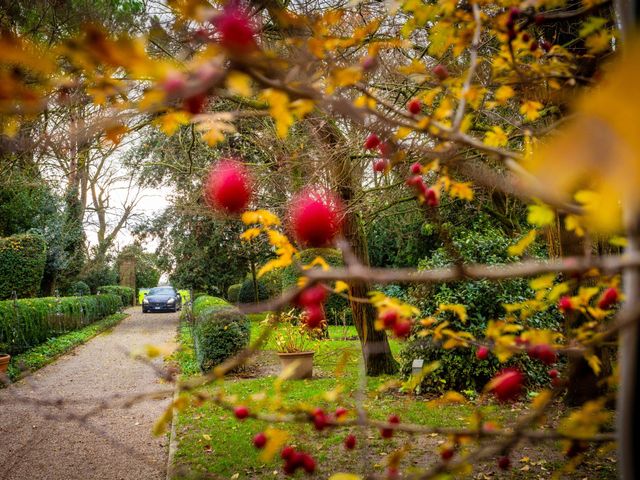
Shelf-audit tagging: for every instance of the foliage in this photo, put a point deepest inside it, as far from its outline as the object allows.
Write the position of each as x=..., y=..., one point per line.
x=233, y=292
x=147, y=271
x=22, y=263
x=219, y=331
x=80, y=288
x=337, y=309
x=125, y=293
x=45, y=353
x=98, y=273
x=25, y=323
x=247, y=292
x=291, y=335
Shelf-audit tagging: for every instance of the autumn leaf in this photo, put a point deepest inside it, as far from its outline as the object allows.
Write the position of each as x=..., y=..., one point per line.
x=460, y=190
x=170, y=122
x=540, y=215
x=518, y=248
x=239, y=84
x=496, y=137
x=531, y=110
x=275, y=441
x=503, y=94
x=459, y=310
x=279, y=110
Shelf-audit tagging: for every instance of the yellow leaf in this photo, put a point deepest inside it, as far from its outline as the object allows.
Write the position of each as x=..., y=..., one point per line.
x=263, y=217
x=170, y=122
x=504, y=93
x=540, y=215
x=459, y=310
x=364, y=101
x=594, y=362
x=531, y=110
x=341, y=286
x=345, y=77
x=545, y=281
x=345, y=476
x=449, y=398
x=496, y=137
x=239, y=84
x=317, y=262
x=460, y=190
x=250, y=234
x=279, y=110
x=114, y=134
x=275, y=441
x=572, y=224
x=618, y=241
x=518, y=249
x=598, y=42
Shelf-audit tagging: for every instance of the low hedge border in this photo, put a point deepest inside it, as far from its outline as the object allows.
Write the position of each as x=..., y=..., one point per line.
x=126, y=293
x=28, y=322
x=219, y=331
x=37, y=357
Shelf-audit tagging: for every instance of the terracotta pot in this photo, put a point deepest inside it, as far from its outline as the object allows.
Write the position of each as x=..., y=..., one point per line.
x=4, y=362
x=303, y=361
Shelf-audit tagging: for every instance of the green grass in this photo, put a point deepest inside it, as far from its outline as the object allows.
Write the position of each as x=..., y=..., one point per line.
x=211, y=440
x=43, y=354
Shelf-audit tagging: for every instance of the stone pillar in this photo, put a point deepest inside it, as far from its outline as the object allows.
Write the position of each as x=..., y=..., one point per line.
x=127, y=268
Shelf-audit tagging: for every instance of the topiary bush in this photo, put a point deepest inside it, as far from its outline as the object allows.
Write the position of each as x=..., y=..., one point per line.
x=126, y=293
x=219, y=331
x=233, y=292
x=26, y=323
x=459, y=368
x=337, y=309
x=247, y=292
x=79, y=289
x=22, y=262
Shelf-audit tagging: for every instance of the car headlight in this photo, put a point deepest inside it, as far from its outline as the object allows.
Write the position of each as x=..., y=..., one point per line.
x=171, y=300
x=145, y=300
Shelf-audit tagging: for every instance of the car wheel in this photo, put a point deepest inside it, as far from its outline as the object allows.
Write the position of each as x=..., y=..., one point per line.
x=144, y=311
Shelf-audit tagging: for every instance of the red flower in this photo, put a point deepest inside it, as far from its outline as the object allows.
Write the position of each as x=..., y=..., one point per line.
x=228, y=186
x=609, y=297
x=565, y=305
x=236, y=33
x=507, y=384
x=316, y=218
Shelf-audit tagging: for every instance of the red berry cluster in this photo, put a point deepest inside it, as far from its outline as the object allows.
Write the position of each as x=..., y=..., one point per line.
x=400, y=326
x=235, y=30
x=544, y=353
x=311, y=299
x=322, y=419
x=388, y=432
x=380, y=165
x=514, y=13
x=507, y=384
x=228, y=186
x=428, y=194
x=316, y=218
x=293, y=460
x=414, y=106
x=373, y=141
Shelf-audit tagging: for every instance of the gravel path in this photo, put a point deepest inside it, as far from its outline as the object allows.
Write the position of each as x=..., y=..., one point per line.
x=38, y=442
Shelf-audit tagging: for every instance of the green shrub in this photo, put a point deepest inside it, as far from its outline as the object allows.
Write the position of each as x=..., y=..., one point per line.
x=22, y=262
x=233, y=292
x=336, y=308
x=272, y=281
x=459, y=368
x=80, y=289
x=247, y=292
x=199, y=294
x=219, y=331
x=125, y=293
x=26, y=323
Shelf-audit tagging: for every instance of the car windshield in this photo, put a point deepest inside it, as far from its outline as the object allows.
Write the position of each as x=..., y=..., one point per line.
x=161, y=291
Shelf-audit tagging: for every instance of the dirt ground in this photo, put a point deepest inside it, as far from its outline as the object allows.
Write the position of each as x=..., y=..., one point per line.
x=55, y=424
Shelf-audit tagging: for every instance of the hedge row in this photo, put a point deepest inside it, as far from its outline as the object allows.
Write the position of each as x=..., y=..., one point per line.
x=26, y=323
x=219, y=331
x=22, y=261
x=125, y=293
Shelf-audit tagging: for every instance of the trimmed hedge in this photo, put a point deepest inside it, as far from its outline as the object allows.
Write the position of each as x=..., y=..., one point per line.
x=337, y=308
x=247, y=292
x=26, y=323
x=233, y=292
x=22, y=262
x=125, y=293
x=219, y=331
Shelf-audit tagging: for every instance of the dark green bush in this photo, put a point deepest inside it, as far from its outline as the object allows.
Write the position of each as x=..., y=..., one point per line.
x=79, y=289
x=22, y=262
x=26, y=323
x=247, y=292
x=126, y=293
x=272, y=281
x=233, y=292
x=336, y=308
x=459, y=368
x=219, y=331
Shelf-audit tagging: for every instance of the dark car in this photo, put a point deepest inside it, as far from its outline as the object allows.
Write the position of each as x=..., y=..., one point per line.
x=162, y=299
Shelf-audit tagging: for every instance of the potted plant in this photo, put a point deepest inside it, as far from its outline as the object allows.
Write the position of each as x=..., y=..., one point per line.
x=4, y=360
x=294, y=344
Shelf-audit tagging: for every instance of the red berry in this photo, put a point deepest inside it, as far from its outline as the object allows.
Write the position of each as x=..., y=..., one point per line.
x=414, y=106
x=609, y=297
x=228, y=187
x=534, y=46
x=514, y=12
x=174, y=82
x=386, y=432
x=525, y=37
x=350, y=442
x=259, y=440
x=415, y=181
x=431, y=197
x=313, y=295
x=441, y=72
x=447, y=454
x=194, y=104
x=287, y=452
x=316, y=218
x=565, y=305
x=290, y=467
x=507, y=384
x=372, y=141
x=384, y=149
x=544, y=353
x=369, y=63
x=320, y=421
x=341, y=412
x=237, y=34
x=504, y=462
x=389, y=318
x=395, y=419
x=482, y=353
x=313, y=316
x=241, y=412
x=416, y=168
x=546, y=46
x=402, y=328
x=308, y=463
x=538, y=19
x=553, y=373
x=380, y=165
